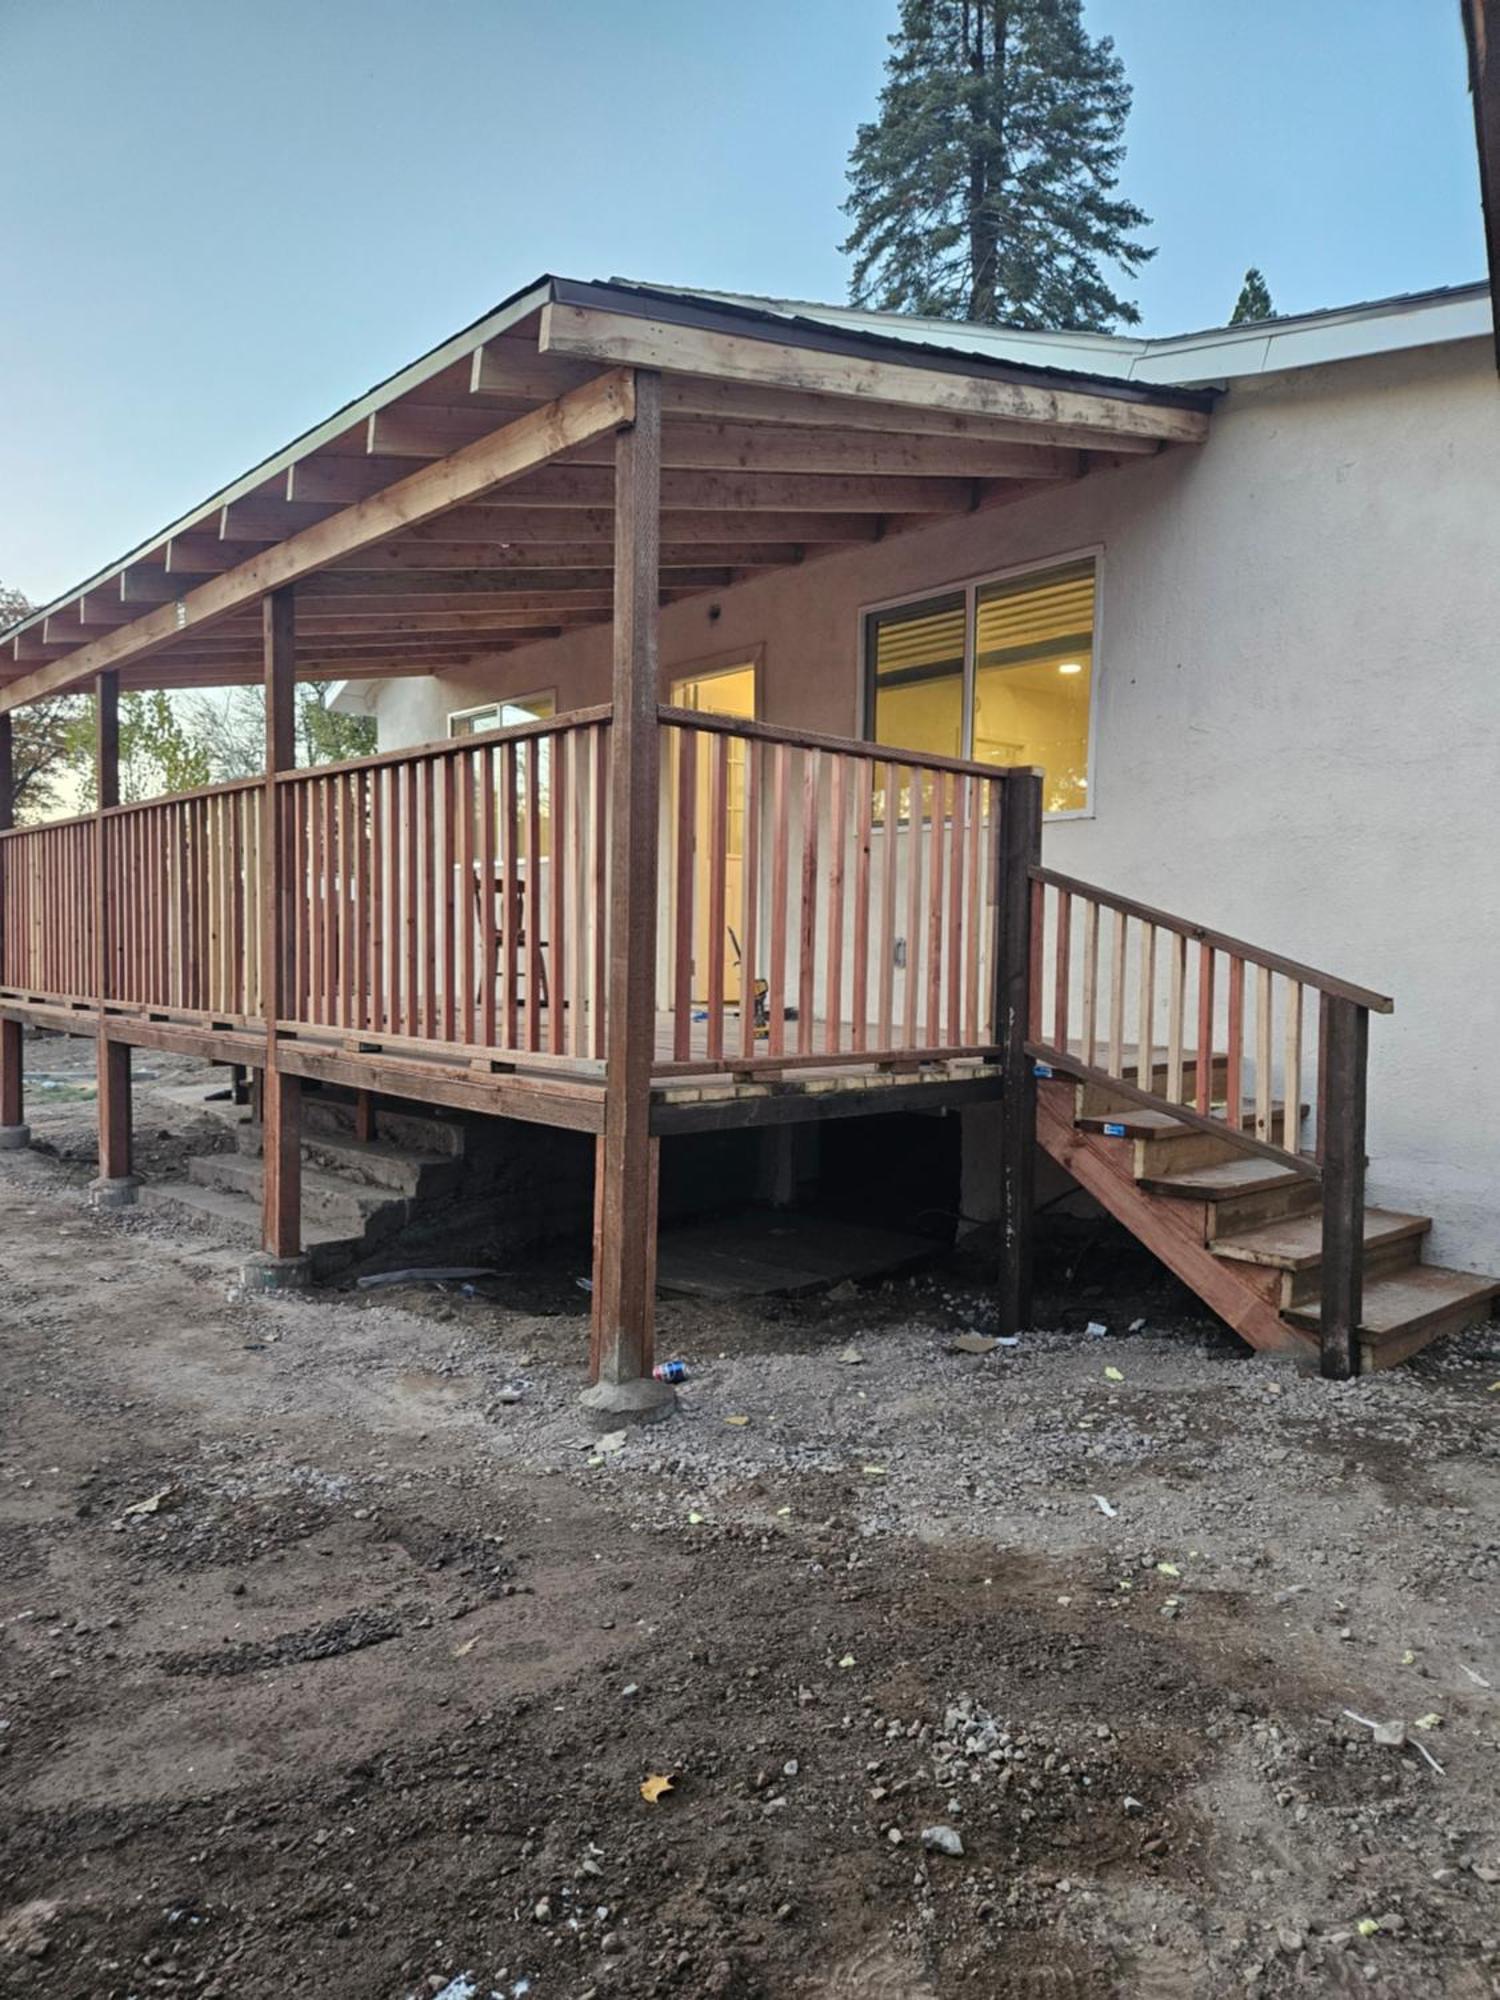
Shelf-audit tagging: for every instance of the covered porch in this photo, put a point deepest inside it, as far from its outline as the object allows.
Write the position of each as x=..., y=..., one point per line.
x=631, y=919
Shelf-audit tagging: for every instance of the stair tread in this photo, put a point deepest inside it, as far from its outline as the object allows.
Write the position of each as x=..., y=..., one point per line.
x=241, y=1210
x=358, y=1150
x=1295, y=1243
x=1144, y=1123
x=246, y=1169
x=1393, y=1303
x=1249, y=1174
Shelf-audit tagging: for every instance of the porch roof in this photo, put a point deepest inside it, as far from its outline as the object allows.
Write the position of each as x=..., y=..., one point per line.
x=464, y=506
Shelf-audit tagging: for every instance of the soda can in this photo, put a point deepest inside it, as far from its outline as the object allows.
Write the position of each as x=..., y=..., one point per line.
x=670, y=1371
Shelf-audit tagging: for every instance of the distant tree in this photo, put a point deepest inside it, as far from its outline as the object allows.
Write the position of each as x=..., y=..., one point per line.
x=1254, y=301
x=46, y=736
x=325, y=736
x=231, y=725
x=985, y=188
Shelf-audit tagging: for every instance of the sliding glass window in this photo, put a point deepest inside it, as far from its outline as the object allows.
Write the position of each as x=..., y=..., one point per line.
x=1001, y=672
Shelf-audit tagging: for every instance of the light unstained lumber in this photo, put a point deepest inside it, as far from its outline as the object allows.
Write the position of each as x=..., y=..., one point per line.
x=539, y=558
x=565, y=486
x=600, y=405
x=543, y=525
x=687, y=395
x=709, y=446
x=588, y=334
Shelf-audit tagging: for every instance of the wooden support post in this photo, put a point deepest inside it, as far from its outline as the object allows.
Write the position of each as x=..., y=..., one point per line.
x=1020, y=849
x=625, y=1236
x=115, y=1187
x=365, y=1128
x=281, y=1095
x=1341, y=1099
x=13, y=1132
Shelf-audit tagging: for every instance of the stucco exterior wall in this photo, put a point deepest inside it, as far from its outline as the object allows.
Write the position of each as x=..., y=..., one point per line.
x=1297, y=709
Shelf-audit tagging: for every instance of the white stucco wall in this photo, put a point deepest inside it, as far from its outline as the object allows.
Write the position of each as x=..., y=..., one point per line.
x=1297, y=720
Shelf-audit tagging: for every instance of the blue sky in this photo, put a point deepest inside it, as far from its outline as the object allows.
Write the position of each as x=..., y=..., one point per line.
x=220, y=221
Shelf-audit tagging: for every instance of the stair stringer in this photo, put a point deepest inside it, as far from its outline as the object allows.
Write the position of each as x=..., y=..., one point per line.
x=1170, y=1230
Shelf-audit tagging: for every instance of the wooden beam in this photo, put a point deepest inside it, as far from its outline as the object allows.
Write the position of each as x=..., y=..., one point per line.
x=739, y=492
x=771, y=448
x=539, y=527
x=13, y=1133
x=1341, y=1137
x=623, y=340
x=600, y=405
x=281, y=1093
x=624, y=1304
x=1020, y=850
x=700, y=396
x=409, y=555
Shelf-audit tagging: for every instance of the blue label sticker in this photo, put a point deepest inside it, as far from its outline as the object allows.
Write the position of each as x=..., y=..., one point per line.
x=1114, y=1131
x=1043, y=1069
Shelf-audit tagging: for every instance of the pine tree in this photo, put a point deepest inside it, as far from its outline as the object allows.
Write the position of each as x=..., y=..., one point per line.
x=1254, y=301
x=985, y=188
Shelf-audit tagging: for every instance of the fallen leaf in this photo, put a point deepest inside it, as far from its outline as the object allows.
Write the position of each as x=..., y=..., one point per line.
x=738, y=1423
x=1367, y=1927
x=1105, y=1507
x=874, y=1471
x=654, y=1789
x=782, y=1511
x=1113, y=1375
x=1495, y=1388
x=467, y=1647
x=151, y=1504
x=851, y=1357
x=847, y=1661
x=695, y=1520
x=973, y=1343
x=1168, y=1569
x=1478, y=1679
x=1432, y=1721
x=1408, y=1658
x=594, y=1460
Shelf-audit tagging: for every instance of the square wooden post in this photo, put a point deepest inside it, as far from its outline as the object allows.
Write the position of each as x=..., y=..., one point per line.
x=1345, y=1040
x=626, y=1193
x=1020, y=851
x=116, y=1186
x=281, y=1264
x=14, y=1133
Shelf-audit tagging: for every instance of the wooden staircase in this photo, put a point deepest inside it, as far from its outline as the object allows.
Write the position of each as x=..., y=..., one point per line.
x=1245, y=1235
x=1211, y=1169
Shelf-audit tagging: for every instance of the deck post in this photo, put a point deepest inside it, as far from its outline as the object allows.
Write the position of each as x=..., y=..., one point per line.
x=1341, y=1131
x=14, y=1133
x=281, y=1264
x=1020, y=850
x=626, y=1191
x=116, y=1186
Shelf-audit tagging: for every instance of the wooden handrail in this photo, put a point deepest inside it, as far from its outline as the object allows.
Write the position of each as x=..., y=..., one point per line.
x=1306, y=975
x=844, y=746
x=453, y=746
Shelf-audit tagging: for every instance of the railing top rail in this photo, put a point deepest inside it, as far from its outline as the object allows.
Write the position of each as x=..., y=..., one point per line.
x=185, y=798
x=453, y=746
x=803, y=739
x=47, y=826
x=1253, y=954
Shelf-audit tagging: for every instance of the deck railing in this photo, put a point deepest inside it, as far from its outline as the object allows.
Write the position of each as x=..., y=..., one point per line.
x=822, y=902
x=455, y=897
x=181, y=903
x=47, y=899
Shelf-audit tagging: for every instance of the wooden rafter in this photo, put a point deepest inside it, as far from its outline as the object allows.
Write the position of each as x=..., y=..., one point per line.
x=602, y=405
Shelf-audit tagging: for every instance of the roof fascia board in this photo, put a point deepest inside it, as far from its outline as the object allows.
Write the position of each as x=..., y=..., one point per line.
x=677, y=309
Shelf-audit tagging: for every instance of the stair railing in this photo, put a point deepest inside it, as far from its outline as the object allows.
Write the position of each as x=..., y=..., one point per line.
x=1184, y=1019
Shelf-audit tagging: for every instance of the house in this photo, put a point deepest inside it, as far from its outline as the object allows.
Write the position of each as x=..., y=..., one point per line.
x=790, y=713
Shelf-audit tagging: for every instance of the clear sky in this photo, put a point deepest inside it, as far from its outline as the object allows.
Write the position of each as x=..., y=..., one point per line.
x=220, y=219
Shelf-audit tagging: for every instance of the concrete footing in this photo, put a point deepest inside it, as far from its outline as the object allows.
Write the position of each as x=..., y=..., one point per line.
x=265, y=1273
x=14, y=1137
x=608, y=1405
x=121, y=1193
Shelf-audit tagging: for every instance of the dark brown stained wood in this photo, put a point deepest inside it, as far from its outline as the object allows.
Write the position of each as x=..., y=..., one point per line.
x=750, y=900
x=12, y=1111
x=282, y=1092
x=1019, y=851
x=624, y=1302
x=839, y=768
x=780, y=858
x=1346, y=1041
x=718, y=820
x=887, y=961
x=114, y=1108
x=916, y=828
x=863, y=778
x=1204, y=1068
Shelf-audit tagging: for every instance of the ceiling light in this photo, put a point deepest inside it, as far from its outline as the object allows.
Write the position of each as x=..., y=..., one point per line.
x=1071, y=667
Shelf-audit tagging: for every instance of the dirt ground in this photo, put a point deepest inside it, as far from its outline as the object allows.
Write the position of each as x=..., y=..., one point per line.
x=335, y=1649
